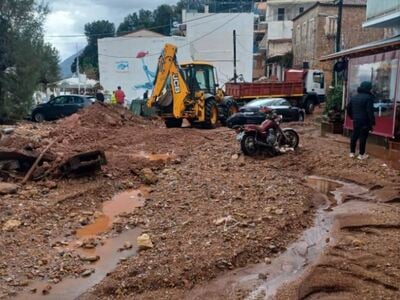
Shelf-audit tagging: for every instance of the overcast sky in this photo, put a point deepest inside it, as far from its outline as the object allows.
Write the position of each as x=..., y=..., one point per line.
x=68, y=17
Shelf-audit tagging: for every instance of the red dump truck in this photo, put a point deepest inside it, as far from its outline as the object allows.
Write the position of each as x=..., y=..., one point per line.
x=303, y=88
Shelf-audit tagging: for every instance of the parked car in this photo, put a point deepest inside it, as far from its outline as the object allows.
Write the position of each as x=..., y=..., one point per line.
x=252, y=112
x=59, y=107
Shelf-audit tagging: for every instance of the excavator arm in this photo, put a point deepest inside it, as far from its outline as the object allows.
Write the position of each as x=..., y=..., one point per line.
x=168, y=72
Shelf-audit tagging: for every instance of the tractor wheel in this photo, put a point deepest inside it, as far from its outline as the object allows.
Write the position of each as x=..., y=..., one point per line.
x=229, y=108
x=211, y=114
x=173, y=122
x=310, y=106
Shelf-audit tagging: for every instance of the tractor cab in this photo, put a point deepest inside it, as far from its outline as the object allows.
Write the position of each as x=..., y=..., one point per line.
x=200, y=77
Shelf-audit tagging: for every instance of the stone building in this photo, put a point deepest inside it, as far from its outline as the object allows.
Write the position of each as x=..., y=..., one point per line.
x=314, y=34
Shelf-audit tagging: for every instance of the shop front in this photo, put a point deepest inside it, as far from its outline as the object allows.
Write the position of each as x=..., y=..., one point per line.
x=382, y=70
x=378, y=63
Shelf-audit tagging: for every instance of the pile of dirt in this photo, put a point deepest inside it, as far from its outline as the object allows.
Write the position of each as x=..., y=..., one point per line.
x=87, y=129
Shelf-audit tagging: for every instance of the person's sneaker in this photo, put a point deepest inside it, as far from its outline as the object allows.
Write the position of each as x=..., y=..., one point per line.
x=352, y=155
x=363, y=156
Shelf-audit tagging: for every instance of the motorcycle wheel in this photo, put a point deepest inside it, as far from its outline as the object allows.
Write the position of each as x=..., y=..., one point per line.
x=292, y=138
x=248, y=145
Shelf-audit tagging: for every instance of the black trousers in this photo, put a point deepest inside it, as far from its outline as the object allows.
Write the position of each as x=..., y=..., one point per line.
x=360, y=132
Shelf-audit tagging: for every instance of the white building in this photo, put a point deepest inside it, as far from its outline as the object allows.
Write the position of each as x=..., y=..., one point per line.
x=211, y=39
x=130, y=61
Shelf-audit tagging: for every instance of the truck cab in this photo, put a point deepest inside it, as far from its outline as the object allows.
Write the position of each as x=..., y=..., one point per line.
x=315, y=83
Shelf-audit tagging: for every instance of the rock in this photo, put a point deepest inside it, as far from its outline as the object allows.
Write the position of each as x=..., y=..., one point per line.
x=279, y=211
x=51, y=184
x=144, y=242
x=8, y=188
x=11, y=225
x=148, y=176
x=90, y=258
x=235, y=156
x=262, y=276
x=86, y=273
x=223, y=220
x=84, y=221
x=127, y=245
x=7, y=130
x=46, y=290
x=267, y=261
x=357, y=243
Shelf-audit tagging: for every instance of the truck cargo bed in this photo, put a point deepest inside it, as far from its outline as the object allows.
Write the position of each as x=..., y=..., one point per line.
x=243, y=91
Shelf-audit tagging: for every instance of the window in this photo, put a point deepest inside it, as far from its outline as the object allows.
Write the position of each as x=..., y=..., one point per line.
x=319, y=79
x=304, y=31
x=382, y=71
x=281, y=14
x=301, y=10
x=78, y=100
x=284, y=102
x=61, y=100
x=204, y=79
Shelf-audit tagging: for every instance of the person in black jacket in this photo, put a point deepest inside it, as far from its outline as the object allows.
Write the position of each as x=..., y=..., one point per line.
x=361, y=110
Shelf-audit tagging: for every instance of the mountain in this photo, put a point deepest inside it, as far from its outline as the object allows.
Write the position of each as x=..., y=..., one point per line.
x=65, y=66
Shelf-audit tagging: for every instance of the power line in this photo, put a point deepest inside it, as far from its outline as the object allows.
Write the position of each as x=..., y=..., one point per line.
x=184, y=45
x=127, y=32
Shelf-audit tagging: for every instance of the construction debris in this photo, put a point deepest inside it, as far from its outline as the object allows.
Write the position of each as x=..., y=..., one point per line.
x=83, y=163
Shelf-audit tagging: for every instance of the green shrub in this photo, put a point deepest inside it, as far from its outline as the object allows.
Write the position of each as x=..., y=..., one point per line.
x=334, y=99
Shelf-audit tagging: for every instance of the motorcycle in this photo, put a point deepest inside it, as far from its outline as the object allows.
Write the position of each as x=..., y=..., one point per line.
x=268, y=137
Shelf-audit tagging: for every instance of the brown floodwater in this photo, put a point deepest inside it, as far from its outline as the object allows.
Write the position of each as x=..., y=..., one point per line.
x=391, y=157
x=155, y=157
x=292, y=263
x=109, y=251
x=126, y=201
x=72, y=288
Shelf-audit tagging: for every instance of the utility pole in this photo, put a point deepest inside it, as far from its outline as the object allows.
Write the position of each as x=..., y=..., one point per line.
x=339, y=25
x=77, y=71
x=234, y=57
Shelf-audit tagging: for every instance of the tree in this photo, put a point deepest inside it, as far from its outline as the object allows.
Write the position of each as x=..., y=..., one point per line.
x=25, y=60
x=88, y=60
x=163, y=18
x=146, y=19
x=130, y=23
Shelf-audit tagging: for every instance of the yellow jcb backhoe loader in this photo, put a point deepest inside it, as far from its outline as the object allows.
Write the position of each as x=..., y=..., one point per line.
x=189, y=91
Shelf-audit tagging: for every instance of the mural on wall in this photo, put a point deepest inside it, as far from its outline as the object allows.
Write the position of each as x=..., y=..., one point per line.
x=150, y=75
x=122, y=66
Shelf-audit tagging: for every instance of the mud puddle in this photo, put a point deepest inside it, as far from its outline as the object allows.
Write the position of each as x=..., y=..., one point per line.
x=123, y=202
x=155, y=157
x=391, y=157
x=110, y=252
x=291, y=264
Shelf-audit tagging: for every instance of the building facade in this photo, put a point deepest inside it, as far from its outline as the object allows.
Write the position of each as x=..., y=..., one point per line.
x=314, y=34
x=279, y=16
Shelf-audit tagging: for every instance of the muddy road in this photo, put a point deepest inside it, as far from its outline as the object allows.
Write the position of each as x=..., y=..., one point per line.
x=308, y=224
